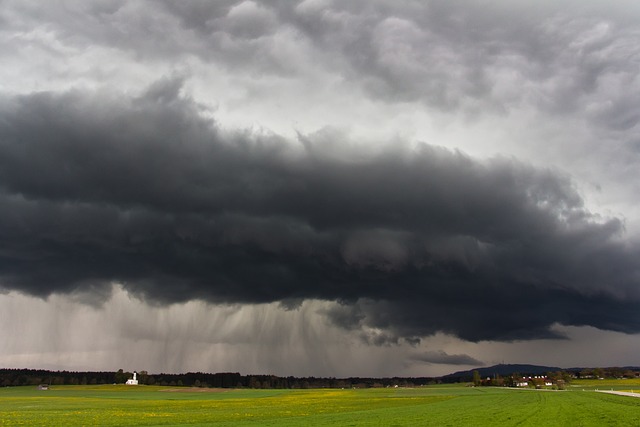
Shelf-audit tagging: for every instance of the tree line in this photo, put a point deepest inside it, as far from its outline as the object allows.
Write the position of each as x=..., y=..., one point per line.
x=22, y=377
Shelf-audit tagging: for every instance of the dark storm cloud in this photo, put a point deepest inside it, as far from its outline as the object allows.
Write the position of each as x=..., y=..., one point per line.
x=149, y=192
x=441, y=357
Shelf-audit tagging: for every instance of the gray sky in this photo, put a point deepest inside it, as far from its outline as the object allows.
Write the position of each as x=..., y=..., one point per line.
x=317, y=187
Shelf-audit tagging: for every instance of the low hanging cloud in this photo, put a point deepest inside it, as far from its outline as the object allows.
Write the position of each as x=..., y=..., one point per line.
x=148, y=191
x=441, y=357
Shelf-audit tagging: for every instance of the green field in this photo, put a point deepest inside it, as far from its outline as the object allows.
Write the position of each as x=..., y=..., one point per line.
x=443, y=405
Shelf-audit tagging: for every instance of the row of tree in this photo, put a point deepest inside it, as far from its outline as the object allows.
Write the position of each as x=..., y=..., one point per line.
x=627, y=372
x=20, y=377
x=559, y=379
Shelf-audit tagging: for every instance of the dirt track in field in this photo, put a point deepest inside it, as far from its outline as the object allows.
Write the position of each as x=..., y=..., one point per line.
x=621, y=393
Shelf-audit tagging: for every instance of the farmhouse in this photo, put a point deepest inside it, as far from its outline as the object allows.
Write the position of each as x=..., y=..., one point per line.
x=133, y=381
x=538, y=381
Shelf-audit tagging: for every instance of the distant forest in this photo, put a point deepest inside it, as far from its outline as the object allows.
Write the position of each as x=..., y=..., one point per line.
x=19, y=377
x=22, y=377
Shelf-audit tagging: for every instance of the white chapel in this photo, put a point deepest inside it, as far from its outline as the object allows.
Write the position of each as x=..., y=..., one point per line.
x=133, y=381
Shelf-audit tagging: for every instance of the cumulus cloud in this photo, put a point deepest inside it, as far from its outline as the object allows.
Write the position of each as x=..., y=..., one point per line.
x=472, y=56
x=150, y=192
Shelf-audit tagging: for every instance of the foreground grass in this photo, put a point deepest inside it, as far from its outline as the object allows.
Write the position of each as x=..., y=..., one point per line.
x=437, y=405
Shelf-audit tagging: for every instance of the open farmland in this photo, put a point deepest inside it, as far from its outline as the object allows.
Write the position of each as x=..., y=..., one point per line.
x=436, y=405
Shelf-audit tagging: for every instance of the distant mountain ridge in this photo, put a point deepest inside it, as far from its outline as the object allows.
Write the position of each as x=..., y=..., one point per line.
x=502, y=370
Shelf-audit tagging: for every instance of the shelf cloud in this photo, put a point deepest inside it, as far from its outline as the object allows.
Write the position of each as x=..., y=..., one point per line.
x=147, y=192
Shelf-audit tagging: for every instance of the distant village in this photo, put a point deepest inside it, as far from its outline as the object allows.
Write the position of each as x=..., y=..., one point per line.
x=479, y=378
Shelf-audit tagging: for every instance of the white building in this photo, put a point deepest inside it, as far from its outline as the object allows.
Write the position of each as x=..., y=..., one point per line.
x=133, y=381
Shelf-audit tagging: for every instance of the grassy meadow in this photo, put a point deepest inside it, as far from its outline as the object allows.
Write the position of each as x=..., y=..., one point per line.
x=442, y=405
